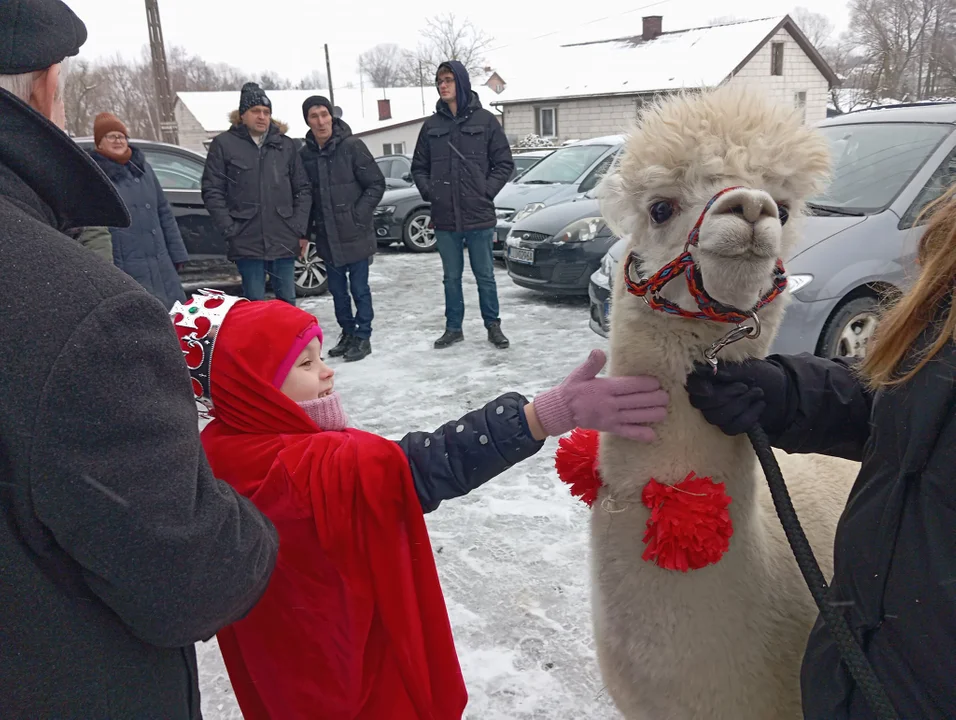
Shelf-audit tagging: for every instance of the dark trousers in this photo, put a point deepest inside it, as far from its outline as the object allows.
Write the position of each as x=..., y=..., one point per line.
x=451, y=248
x=281, y=272
x=352, y=277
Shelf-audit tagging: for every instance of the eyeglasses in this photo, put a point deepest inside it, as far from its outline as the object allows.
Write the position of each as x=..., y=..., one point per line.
x=445, y=81
x=115, y=137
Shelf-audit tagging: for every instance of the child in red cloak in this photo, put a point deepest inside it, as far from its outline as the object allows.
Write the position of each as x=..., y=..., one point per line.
x=353, y=624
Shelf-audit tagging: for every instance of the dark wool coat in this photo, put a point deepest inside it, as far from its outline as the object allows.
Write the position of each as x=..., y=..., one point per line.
x=151, y=247
x=118, y=548
x=258, y=197
x=461, y=162
x=347, y=185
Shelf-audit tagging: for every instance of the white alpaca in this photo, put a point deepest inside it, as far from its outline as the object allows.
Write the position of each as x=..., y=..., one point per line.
x=723, y=642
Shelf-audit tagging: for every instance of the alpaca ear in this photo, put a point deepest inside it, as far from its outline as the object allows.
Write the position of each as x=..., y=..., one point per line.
x=617, y=204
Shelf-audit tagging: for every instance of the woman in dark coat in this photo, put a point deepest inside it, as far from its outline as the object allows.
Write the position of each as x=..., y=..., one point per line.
x=895, y=547
x=151, y=249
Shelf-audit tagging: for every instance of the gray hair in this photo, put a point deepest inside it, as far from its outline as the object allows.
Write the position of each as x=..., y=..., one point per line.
x=22, y=85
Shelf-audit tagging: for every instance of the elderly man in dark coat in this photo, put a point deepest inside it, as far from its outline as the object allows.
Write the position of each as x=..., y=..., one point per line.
x=118, y=548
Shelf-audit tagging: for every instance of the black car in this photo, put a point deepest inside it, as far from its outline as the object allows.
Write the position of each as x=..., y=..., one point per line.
x=600, y=286
x=556, y=249
x=397, y=170
x=180, y=174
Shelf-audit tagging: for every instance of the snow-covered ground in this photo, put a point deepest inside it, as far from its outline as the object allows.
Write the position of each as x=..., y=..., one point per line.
x=513, y=555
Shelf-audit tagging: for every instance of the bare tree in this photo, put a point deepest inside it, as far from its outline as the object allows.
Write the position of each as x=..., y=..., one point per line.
x=445, y=37
x=817, y=27
x=79, y=96
x=315, y=80
x=723, y=20
x=382, y=65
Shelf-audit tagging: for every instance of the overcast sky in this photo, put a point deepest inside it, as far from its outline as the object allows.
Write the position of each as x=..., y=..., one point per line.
x=287, y=36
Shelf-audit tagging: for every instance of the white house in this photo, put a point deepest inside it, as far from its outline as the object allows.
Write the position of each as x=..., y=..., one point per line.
x=387, y=119
x=596, y=88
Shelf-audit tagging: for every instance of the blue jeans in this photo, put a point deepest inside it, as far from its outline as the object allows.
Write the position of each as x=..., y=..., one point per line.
x=451, y=248
x=341, y=280
x=281, y=272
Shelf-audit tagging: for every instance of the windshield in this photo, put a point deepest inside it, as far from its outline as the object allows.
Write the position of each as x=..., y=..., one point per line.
x=872, y=162
x=564, y=166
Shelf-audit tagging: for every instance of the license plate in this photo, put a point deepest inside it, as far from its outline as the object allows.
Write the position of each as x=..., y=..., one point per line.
x=521, y=255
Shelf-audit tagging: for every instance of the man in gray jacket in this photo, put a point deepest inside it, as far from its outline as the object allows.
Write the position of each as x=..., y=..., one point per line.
x=118, y=548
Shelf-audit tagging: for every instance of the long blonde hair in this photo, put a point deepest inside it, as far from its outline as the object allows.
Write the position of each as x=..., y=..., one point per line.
x=917, y=309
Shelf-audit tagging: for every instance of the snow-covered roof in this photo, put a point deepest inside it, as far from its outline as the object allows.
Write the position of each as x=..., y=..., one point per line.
x=359, y=107
x=694, y=58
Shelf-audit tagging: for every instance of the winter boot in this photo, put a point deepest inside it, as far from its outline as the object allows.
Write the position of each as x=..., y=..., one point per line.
x=359, y=349
x=496, y=337
x=343, y=347
x=449, y=338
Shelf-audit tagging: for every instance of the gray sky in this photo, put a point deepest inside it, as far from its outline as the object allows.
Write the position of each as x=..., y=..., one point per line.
x=287, y=36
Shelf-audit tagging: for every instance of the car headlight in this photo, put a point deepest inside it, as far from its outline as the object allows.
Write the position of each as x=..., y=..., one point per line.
x=529, y=209
x=384, y=210
x=583, y=230
x=797, y=282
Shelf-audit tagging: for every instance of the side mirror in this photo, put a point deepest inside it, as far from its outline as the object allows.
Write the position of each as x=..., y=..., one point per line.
x=407, y=177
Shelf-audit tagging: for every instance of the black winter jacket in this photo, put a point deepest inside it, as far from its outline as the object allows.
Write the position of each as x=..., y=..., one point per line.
x=895, y=548
x=347, y=185
x=118, y=548
x=258, y=197
x=464, y=454
x=461, y=162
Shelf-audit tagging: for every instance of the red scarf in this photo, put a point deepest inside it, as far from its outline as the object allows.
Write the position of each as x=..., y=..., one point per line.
x=353, y=625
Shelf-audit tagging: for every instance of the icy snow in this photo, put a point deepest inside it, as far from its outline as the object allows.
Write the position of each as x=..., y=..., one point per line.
x=512, y=555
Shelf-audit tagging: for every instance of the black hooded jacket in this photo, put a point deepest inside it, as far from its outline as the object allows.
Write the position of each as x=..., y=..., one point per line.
x=347, y=185
x=461, y=162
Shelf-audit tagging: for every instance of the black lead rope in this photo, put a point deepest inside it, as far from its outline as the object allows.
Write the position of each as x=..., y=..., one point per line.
x=850, y=649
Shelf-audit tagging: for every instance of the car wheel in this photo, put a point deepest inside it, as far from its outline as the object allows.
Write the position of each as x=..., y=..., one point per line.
x=416, y=235
x=311, y=277
x=851, y=329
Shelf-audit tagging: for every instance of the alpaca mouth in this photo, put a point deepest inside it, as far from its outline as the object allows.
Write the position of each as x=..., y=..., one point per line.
x=750, y=252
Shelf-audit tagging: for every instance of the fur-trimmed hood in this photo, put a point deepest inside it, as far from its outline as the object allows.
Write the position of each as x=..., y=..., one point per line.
x=235, y=120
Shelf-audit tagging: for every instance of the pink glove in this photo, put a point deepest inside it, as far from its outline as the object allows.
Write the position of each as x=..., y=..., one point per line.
x=618, y=405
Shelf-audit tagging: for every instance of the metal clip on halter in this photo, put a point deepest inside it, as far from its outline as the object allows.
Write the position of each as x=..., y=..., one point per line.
x=739, y=332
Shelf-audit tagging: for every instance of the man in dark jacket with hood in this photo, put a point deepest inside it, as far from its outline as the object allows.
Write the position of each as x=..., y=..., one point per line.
x=462, y=160
x=257, y=193
x=347, y=185
x=118, y=548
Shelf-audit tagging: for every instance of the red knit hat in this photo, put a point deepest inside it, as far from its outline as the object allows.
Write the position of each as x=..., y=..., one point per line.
x=106, y=123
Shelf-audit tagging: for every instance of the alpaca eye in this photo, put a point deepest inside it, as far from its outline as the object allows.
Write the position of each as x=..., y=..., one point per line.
x=662, y=211
x=784, y=213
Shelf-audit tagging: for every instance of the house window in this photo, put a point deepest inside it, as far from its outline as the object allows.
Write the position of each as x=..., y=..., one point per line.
x=548, y=122
x=776, y=58
x=393, y=148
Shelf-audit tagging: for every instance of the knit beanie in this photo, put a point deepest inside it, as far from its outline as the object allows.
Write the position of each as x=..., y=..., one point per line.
x=252, y=95
x=104, y=124
x=315, y=101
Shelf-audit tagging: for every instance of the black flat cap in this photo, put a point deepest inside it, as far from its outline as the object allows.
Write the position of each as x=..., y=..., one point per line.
x=35, y=34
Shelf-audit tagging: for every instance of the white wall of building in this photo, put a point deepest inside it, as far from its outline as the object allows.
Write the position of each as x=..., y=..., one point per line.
x=408, y=134
x=576, y=119
x=191, y=133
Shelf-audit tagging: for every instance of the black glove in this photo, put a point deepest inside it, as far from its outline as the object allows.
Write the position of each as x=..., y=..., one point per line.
x=741, y=395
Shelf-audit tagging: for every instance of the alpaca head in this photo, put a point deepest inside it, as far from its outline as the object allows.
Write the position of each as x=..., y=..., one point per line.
x=686, y=149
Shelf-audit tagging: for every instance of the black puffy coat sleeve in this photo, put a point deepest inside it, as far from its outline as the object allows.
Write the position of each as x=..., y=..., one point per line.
x=827, y=407
x=215, y=190
x=301, y=192
x=422, y=164
x=500, y=160
x=464, y=454
x=370, y=178
x=119, y=477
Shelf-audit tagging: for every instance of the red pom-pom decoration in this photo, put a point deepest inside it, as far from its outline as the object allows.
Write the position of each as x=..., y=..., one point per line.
x=576, y=462
x=689, y=527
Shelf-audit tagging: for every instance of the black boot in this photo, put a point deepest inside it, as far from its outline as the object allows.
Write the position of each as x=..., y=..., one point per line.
x=449, y=338
x=496, y=337
x=359, y=349
x=343, y=347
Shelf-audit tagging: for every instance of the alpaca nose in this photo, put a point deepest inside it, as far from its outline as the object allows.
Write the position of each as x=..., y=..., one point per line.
x=750, y=205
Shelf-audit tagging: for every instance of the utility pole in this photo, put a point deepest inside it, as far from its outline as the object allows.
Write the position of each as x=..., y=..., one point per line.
x=164, y=96
x=328, y=74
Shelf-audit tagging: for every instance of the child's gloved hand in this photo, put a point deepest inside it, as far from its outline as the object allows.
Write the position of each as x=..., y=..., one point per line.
x=618, y=405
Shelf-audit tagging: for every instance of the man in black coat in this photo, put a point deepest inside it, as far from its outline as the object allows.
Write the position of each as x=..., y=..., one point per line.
x=118, y=548
x=462, y=160
x=257, y=193
x=347, y=185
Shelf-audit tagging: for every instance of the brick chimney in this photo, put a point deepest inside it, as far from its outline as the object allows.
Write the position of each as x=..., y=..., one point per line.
x=652, y=27
x=384, y=109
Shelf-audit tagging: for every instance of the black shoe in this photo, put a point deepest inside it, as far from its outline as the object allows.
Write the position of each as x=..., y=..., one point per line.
x=449, y=338
x=359, y=349
x=496, y=337
x=343, y=347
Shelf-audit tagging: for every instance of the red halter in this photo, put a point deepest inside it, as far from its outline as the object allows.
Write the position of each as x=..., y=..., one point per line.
x=710, y=309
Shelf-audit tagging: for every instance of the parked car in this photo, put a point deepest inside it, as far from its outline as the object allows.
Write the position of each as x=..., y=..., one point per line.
x=557, y=249
x=565, y=173
x=525, y=160
x=180, y=174
x=859, y=244
x=397, y=170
